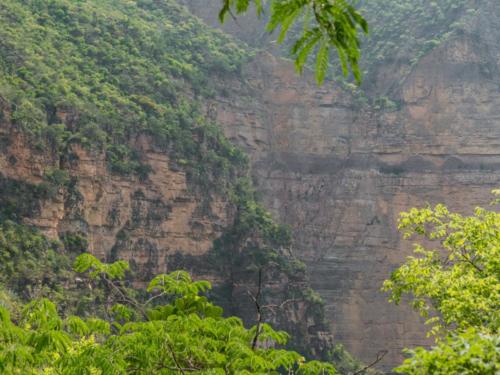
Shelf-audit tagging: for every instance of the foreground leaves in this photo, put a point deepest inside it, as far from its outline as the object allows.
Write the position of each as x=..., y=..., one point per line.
x=327, y=25
x=186, y=334
x=456, y=287
x=466, y=353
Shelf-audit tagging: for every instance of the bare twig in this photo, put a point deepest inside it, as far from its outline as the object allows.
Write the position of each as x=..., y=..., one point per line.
x=123, y=295
x=153, y=298
x=281, y=305
x=174, y=357
x=380, y=355
x=259, y=310
x=235, y=19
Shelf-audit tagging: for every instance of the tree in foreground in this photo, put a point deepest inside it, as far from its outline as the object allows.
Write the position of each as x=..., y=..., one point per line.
x=456, y=286
x=326, y=25
x=172, y=329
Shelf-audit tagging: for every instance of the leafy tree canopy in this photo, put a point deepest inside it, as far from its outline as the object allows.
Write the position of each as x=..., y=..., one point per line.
x=456, y=286
x=99, y=73
x=327, y=25
x=173, y=330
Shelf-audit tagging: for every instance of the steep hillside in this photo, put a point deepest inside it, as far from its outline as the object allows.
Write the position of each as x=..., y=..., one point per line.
x=99, y=95
x=401, y=32
x=109, y=142
x=106, y=147
x=339, y=165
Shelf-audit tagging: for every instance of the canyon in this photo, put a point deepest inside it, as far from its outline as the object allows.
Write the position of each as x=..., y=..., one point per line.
x=340, y=173
x=336, y=164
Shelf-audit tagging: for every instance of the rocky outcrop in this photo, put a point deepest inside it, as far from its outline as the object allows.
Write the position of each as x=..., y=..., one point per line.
x=130, y=217
x=158, y=223
x=339, y=173
x=337, y=170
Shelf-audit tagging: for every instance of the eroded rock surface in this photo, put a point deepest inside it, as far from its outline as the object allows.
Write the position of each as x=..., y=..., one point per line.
x=339, y=173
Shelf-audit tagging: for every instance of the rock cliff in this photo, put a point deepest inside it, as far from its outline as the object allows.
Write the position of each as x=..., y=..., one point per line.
x=159, y=223
x=339, y=172
x=336, y=164
x=104, y=149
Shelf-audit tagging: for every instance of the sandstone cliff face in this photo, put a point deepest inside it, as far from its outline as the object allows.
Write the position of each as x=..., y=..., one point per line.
x=158, y=223
x=339, y=173
x=130, y=218
x=336, y=170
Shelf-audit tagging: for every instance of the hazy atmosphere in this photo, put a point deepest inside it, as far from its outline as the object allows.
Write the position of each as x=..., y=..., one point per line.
x=249, y=187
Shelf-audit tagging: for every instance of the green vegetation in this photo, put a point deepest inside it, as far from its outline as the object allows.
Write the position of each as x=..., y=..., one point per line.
x=460, y=281
x=33, y=267
x=19, y=198
x=325, y=25
x=401, y=32
x=469, y=352
x=174, y=330
x=101, y=73
x=31, y=264
x=254, y=244
x=406, y=30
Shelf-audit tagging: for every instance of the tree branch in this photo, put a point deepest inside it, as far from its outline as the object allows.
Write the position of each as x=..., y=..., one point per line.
x=123, y=295
x=467, y=259
x=281, y=305
x=259, y=311
x=174, y=357
x=380, y=355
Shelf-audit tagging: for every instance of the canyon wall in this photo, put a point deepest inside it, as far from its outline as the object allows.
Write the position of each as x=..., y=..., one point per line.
x=104, y=148
x=158, y=223
x=144, y=221
x=339, y=172
x=335, y=164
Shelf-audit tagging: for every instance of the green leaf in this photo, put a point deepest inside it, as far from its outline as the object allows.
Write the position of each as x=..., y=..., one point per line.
x=85, y=262
x=322, y=62
x=286, y=23
x=304, y=48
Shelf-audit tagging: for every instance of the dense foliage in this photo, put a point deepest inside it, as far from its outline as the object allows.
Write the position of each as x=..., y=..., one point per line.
x=406, y=30
x=400, y=34
x=182, y=333
x=31, y=265
x=325, y=25
x=100, y=73
x=456, y=287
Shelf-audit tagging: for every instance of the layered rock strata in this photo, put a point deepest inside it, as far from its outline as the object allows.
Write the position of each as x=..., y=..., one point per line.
x=339, y=172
